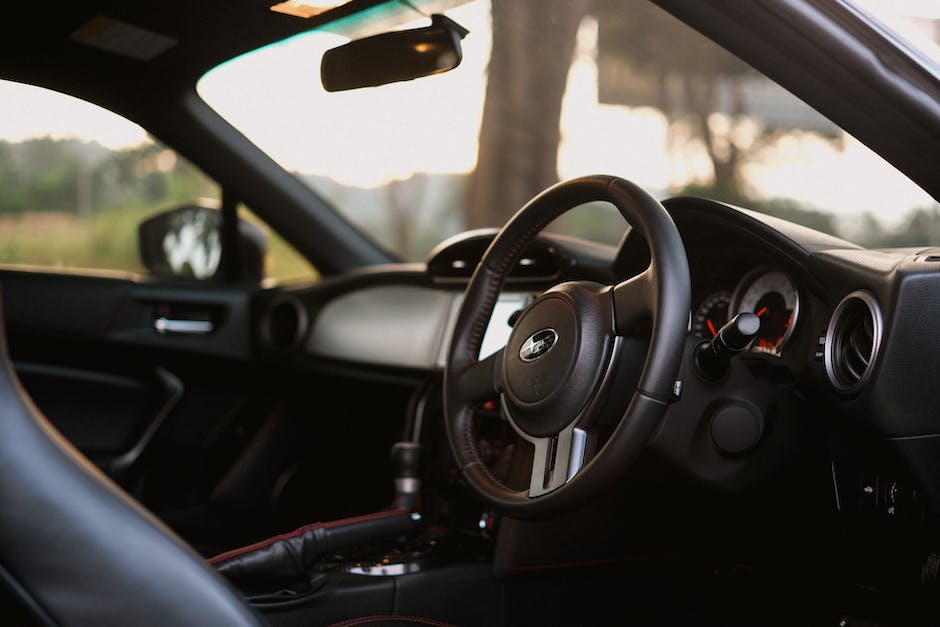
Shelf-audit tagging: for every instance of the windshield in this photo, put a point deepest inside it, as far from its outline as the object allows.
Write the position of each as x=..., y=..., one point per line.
x=560, y=89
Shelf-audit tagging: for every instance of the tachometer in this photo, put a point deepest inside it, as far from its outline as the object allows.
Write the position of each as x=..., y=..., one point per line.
x=772, y=295
x=711, y=315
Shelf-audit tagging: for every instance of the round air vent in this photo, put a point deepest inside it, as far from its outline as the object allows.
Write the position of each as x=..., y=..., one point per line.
x=852, y=340
x=285, y=324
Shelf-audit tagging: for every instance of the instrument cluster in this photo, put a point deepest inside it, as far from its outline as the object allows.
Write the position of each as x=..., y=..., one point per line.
x=768, y=292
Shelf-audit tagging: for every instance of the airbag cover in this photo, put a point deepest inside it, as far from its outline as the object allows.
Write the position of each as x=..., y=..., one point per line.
x=555, y=357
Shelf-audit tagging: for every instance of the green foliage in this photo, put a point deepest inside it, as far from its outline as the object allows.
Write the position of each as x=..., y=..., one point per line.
x=61, y=240
x=282, y=261
x=66, y=203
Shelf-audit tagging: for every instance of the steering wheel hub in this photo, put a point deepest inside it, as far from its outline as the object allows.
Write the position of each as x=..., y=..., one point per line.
x=556, y=356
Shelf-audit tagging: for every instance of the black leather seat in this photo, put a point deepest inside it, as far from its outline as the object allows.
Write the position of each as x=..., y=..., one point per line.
x=77, y=550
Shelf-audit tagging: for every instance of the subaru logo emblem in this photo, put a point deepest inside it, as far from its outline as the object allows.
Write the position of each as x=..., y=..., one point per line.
x=538, y=344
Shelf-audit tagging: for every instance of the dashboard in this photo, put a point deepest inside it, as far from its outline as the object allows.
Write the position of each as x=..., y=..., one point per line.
x=840, y=331
x=408, y=325
x=824, y=427
x=403, y=326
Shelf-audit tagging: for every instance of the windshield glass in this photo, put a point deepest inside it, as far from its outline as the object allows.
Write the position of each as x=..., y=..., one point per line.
x=560, y=89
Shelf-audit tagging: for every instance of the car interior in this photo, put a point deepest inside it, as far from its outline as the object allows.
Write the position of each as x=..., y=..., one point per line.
x=714, y=416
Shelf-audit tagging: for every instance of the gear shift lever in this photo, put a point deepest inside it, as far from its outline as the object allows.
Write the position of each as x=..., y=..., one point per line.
x=406, y=466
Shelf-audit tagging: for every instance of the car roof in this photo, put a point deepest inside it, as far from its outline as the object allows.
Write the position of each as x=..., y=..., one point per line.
x=80, y=44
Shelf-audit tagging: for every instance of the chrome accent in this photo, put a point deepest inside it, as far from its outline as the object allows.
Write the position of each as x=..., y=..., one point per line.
x=386, y=570
x=538, y=344
x=164, y=325
x=874, y=311
x=551, y=455
x=548, y=451
x=407, y=485
x=578, y=441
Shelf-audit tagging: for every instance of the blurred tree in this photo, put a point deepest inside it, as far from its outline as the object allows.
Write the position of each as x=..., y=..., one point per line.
x=646, y=57
x=533, y=45
x=50, y=174
x=11, y=193
x=920, y=227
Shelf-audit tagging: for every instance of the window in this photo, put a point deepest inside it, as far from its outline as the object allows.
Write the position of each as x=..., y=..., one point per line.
x=76, y=180
x=282, y=262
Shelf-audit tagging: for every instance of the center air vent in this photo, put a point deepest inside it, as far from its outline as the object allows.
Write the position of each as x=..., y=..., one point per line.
x=852, y=340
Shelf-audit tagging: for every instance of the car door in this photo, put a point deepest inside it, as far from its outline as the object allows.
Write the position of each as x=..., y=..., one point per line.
x=150, y=372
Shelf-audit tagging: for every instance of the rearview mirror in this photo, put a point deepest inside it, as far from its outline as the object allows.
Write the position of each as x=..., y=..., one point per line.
x=394, y=56
x=186, y=242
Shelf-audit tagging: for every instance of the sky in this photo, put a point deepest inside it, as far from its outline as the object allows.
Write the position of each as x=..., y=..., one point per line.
x=369, y=137
x=33, y=112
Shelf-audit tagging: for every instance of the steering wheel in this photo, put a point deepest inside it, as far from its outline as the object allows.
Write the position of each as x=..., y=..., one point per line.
x=557, y=375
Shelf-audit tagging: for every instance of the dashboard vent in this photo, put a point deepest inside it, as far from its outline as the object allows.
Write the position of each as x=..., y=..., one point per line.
x=284, y=324
x=852, y=340
x=457, y=258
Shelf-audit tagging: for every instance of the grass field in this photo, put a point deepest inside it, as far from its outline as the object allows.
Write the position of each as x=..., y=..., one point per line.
x=108, y=241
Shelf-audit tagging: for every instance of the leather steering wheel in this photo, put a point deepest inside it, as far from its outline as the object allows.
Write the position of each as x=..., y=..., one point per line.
x=558, y=373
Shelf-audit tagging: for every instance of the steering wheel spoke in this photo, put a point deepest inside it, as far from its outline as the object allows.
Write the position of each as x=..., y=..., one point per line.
x=556, y=460
x=480, y=381
x=633, y=301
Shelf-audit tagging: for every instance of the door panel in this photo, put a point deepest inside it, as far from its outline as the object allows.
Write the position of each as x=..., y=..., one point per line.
x=139, y=401
x=111, y=418
x=226, y=447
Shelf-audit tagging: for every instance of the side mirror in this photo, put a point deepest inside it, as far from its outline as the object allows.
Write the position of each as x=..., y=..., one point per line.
x=394, y=56
x=186, y=242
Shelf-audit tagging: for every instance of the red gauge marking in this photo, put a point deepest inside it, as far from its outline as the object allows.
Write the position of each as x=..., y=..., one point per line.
x=711, y=327
x=762, y=311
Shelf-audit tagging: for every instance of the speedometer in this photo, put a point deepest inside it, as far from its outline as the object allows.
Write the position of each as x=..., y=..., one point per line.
x=771, y=294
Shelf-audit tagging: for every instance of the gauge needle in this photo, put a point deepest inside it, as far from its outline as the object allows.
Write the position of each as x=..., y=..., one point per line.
x=711, y=327
x=762, y=311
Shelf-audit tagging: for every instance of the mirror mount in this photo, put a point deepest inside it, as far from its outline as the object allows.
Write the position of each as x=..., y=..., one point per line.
x=243, y=245
x=394, y=56
x=442, y=21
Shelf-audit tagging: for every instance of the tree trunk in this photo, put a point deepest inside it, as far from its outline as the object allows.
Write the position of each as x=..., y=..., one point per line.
x=723, y=153
x=533, y=44
x=401, y=209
